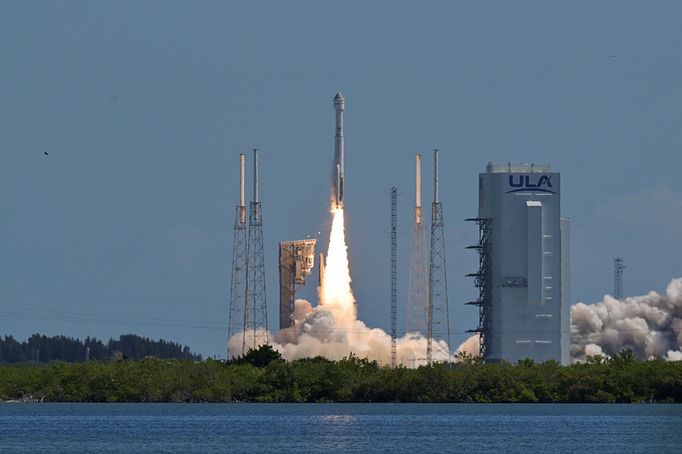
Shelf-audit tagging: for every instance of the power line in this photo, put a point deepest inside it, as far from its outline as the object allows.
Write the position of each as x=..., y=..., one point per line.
x=144, y=244
x=109, y=321
x=112, y=319
x=62, y=296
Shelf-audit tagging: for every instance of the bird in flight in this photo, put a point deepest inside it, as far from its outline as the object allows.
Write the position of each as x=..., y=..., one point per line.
x=46, y=153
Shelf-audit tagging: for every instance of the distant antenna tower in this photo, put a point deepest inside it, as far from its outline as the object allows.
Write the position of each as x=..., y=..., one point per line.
x=437, y=313
x=394, y=274
x=418, y=283
x=255, y=309
x=238, y=282
x=618, y=267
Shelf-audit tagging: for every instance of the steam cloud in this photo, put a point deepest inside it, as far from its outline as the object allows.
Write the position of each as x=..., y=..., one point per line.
x=332, y=330
x=649, y=325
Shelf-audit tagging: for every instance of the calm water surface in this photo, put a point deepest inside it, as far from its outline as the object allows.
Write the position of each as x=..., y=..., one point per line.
x=414, y=428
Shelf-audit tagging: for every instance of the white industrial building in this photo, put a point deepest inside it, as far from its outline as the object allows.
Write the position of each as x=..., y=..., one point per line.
x=524, y=267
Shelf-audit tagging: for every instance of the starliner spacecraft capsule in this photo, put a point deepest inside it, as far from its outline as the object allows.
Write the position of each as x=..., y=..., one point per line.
x=337, y=169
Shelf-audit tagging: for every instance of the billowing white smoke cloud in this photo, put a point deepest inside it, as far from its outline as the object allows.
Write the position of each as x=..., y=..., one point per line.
x=320, y=332
x=470, y=346
x=650, y=325
x=317, y=332
x=332, y=330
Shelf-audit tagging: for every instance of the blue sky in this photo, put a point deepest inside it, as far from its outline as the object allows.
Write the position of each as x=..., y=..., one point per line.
x=143, y=108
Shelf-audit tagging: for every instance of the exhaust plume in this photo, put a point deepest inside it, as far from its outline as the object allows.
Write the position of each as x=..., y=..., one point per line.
x=650, y=325
x=332, y=330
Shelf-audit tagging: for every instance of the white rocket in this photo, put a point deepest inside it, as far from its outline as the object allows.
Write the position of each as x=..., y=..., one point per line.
x=337, y=170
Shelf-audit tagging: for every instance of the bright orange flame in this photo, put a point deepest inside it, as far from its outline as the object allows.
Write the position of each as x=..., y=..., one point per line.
x=336, y=294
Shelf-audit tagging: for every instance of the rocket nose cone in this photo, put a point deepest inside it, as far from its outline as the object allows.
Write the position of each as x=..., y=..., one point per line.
x=339, y=101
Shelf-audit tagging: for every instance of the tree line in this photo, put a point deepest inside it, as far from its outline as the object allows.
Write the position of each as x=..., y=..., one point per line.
x=262, y=376
x=44, y=349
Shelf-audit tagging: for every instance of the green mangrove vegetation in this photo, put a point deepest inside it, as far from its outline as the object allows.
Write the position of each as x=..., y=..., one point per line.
x=44, y=349
x=262, y=376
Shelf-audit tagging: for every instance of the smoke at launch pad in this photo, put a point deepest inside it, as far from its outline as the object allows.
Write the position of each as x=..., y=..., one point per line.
x=650, y=325
x=332, y=330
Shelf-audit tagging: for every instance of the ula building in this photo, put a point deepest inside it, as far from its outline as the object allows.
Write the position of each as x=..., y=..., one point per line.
x=523, y=276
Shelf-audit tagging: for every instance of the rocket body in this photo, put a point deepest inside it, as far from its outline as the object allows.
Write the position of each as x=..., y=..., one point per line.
x=337, y=168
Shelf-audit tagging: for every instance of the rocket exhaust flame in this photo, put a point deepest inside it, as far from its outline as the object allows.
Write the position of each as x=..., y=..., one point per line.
x=335, y=291
x=332, y=330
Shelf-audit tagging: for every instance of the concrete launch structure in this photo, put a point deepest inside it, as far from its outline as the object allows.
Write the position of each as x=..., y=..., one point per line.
x=296, y=261
x=523, y=275
x=337, y=170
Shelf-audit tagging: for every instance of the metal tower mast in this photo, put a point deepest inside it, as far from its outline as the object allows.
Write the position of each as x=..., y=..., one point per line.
x=238, y=280
x=255, y=309
x=483, y=282
x=618, y=267
x=394, y=273
x=437, y=314
x=418, y=284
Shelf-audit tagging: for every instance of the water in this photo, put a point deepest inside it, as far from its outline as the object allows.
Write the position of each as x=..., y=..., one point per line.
x=414, y=428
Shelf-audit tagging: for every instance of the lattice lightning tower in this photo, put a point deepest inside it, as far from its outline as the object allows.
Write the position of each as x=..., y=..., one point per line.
x=238, y=281
x=418, y=279
x=618, y=267
x=255, y=310
x=394, y=274
x=438, y=319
